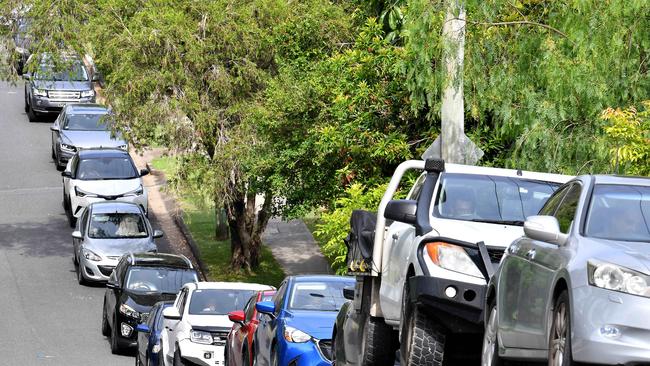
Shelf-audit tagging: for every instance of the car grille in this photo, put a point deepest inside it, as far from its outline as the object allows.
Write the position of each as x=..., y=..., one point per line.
x=325, y=347
x=63, y=95
x=495, y=254
x=106, y=270
x=219, y=338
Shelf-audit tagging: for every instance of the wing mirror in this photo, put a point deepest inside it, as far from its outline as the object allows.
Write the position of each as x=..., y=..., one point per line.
x=171, y=313
x=348, y=293
x=27, y=76
x=144, y=172
x=266, y=307
x=402, y=211
x=66, y=174
x=112, y=285
x=142, y=328
x=236, y=316
x=54, y=128
x=158, y=234
x=544, y=228
x=77, y=234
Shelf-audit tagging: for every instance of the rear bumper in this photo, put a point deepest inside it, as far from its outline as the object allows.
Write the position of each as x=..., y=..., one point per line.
x=462, y=313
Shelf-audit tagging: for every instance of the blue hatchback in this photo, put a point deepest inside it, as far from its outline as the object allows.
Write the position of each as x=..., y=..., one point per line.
x=149, y=336
x=296, y=328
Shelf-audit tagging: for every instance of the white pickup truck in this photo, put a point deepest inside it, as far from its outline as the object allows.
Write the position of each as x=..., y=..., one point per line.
x=421, y=278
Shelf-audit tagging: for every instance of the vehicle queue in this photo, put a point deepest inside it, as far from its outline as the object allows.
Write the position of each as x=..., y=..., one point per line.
x=559, y=293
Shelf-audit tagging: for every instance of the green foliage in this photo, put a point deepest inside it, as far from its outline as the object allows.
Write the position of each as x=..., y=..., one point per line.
x=628, y=136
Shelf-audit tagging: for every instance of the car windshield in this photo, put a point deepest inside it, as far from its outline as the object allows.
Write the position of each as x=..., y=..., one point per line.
x=218, y=302
x=619, y=212
x=319, y=296
x=106, y=168
x=86, y=122
x=491, y=199
x=67, y=72
x=159, y=279
x=117, y=226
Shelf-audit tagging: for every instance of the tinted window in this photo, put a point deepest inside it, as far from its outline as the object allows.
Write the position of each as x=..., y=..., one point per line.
x=493, y=199
x=161, y=280
x=85, y=122
x=320, y=296
x=552, y=203
x=117, y=226
x=218, y=302
x=106, y=168
x=249, y=309
x=619, y=212
x=567, y=210
x=279, y=297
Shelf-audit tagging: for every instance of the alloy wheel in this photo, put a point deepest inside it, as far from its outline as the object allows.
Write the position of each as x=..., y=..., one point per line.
x=559, y=336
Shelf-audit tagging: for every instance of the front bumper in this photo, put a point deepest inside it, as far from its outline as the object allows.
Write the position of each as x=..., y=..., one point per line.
x=79, y=203
x=462, y=313
x=594, y=308
x=127, y=336
x=202, y=354
x=97, y=271
x=46, y=105
x=301, y=354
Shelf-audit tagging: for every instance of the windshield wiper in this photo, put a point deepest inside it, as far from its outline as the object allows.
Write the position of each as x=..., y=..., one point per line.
x=503, y=222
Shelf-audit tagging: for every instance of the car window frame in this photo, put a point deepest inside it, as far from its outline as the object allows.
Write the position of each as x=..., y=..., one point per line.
x=182, y=299
x=278, y=299
x=560, y=192
x=250, y=306
x=575, y=210
x=83, y=223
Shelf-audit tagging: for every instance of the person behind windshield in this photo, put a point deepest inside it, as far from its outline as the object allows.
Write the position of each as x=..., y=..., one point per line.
x=211, y=305
x=128, y=227
x=462, y=204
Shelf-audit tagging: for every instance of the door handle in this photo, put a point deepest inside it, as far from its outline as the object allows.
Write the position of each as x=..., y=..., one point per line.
x=531, y=254
x=395, y=236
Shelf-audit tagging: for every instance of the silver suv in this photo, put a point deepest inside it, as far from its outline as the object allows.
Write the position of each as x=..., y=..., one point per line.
x=576, y=287
x=54, y=84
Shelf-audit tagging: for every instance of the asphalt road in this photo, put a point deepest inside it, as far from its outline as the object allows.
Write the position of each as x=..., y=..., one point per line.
x=45, y=316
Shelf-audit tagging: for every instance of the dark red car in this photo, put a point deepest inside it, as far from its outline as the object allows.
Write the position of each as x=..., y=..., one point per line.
x=240, y=338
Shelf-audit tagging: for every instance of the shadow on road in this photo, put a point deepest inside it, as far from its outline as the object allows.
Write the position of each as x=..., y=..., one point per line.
x=38, y=239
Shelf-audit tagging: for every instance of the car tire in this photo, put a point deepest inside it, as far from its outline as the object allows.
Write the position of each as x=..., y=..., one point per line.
x=26, y=104
x=106, y=329
x=490, y=355
x=559, y=350
x=31, y=114
x=115, y=342
x=178, y=360
x=72, y=221
x=379, y=343
x=423, y=343
x=80, y=275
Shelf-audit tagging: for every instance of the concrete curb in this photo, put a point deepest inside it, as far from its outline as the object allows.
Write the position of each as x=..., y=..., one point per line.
x=177, y=216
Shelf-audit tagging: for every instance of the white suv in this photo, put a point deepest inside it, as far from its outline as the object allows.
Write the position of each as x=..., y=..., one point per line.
x=96, y=175
x=196, y=327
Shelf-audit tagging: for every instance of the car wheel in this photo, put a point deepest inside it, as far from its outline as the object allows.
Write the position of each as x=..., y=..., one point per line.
x=53, y=155
x=115, y=342
x=178, y=361
x=559, y=350
x=490, y=354
x=26, y=104
x=106, y=329
x=378, y=343
x=80, y=275
x=31, y=114
x=423, y=343
x=68, y=212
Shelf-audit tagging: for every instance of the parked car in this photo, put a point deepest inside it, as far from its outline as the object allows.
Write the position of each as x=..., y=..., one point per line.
x=197, y=325
x=149, y=336
x=138, y=282
x=106, y=231
x=576, y=287
x=240, y=338
x=296, y=327
x=95, y=175
x=82, y=126
x=55, y=83
x=22, y=44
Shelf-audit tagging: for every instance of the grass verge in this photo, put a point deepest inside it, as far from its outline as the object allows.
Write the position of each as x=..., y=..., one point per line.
x=201, y=221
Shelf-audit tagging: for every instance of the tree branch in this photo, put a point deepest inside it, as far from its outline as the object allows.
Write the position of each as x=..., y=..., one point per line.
x=521, y=22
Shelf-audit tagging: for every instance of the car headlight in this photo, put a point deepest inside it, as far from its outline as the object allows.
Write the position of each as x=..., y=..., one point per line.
x=201, y=337
x=68, y=147
x=135, y=192
x=87, y=93
x=40, y=92
x=453, y=258
x=81, y=193
x=616, y=278
x=129, y=311
x=294, y=335
x=91, y=256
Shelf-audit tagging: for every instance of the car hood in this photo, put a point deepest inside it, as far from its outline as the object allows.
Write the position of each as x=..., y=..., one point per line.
x=62, y=85
x=209, y=321
x=142, y=302
x=109, y=187
x=90, y=139
x=118, y=247
x=318, y=324
x=633, y=255
x=493, y=235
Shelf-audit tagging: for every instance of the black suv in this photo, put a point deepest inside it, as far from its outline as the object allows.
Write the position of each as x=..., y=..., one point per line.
x=137, y=283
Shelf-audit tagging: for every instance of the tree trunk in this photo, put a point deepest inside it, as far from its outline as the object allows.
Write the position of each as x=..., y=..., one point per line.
x=221, y=230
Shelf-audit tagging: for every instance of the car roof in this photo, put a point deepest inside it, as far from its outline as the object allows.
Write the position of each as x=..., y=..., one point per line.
x=323, y=278
x=230, y=286
x=101, y=153
x=114, y=207
x=159, y=260
x=512, y=173
x=621, y=180
x=86, y=108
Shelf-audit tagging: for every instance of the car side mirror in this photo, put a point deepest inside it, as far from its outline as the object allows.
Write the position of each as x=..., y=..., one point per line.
x=544, y=228
x=236, y=316
x=171, y=313
x=144, y=172
x=54, y=128
x=158, y=234
x=112, y=285
x=96, y=77
x=27, y=76
x=402, y=211
x=66, y=174
x=77, y=234
x=142, y=328
x=266, y=307
x=348, y=293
